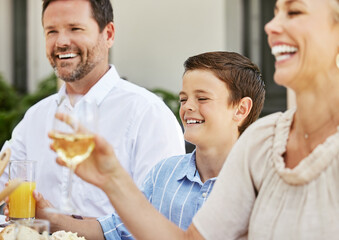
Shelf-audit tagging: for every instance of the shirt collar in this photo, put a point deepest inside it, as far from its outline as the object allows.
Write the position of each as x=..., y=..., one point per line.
x=189, y=170
x=100, y=90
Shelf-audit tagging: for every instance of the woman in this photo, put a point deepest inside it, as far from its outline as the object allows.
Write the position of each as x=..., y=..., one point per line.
x=281, y=179
x=289, y=188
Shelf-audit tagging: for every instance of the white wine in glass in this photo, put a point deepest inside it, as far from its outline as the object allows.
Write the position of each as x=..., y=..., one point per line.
x=73, y=139
x=73, y=148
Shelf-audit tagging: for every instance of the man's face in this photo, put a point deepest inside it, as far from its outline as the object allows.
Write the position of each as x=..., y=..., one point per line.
x=74, y=45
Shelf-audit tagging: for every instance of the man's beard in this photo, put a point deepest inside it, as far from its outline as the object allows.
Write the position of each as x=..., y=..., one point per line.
x=82, y=68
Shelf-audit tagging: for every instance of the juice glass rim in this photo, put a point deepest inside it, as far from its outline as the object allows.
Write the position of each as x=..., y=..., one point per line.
x=31, y=164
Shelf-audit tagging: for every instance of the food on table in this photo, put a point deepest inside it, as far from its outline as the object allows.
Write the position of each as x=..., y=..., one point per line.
x=62, y=235
x=24, y=233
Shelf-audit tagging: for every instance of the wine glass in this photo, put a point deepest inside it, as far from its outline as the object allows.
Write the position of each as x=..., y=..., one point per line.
x=73, y=131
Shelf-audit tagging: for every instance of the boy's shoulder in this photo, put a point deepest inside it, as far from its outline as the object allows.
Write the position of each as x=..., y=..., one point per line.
x=172, y=164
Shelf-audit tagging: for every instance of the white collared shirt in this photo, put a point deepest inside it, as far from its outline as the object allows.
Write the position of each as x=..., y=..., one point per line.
x=136, y=122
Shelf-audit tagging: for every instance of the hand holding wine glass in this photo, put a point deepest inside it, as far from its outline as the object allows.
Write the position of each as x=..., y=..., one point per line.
x=100, y=166
x=73, y=137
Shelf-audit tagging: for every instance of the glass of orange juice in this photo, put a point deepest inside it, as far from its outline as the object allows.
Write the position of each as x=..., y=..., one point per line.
x=21, y=201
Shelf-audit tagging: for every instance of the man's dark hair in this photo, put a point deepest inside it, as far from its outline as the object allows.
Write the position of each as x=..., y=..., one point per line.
x=242, y=78
x=102, y=11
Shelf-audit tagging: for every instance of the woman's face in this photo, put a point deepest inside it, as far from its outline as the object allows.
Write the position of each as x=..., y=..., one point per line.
x=304, y=39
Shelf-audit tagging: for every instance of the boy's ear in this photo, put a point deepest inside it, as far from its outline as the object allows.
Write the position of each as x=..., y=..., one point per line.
x=243, y=109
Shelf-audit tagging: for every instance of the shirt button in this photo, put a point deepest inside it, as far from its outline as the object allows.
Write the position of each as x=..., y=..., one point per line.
x=204, y=195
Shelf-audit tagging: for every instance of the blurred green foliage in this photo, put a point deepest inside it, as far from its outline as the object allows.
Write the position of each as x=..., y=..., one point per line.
x=13, y=105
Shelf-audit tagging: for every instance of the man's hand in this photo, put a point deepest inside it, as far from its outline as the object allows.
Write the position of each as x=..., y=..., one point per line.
x=41, y=205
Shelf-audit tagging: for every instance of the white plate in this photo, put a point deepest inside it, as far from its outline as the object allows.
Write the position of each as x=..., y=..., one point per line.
x=2, y=218
x=2, y=221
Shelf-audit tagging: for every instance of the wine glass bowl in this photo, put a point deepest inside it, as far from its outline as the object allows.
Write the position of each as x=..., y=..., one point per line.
x=73, y=148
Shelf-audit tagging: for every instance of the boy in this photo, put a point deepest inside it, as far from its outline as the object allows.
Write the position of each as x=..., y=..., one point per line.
x=222, y=94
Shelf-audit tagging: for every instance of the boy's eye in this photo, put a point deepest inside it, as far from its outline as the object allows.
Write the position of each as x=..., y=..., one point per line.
x=202, y=99
x=182, y=100
x=76, y=29
x=293, y=12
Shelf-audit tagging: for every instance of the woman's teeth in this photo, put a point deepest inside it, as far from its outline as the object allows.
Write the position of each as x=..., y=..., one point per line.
x=282, y=52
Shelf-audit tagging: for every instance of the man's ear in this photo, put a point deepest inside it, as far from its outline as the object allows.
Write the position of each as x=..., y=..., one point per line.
x=109, y=34
x=243, y=109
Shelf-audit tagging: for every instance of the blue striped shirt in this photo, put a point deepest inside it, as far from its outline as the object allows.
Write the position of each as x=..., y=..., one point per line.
x=174, y=188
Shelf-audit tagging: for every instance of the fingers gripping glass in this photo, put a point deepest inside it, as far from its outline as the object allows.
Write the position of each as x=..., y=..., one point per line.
x=73, y=139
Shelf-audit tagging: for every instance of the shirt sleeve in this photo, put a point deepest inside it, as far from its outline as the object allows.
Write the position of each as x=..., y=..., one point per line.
x=159, y=136
x=113, y=228
x=17, y=146
x=227, y=211
x=148, y=185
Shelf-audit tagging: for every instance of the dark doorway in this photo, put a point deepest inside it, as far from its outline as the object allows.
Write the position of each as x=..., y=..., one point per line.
x=19, y=45
x=276, y=96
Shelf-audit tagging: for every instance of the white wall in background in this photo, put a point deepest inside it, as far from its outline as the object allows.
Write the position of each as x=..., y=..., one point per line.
x=154, y=38
x=6, y=40
x=38, y=65
x=233, y=25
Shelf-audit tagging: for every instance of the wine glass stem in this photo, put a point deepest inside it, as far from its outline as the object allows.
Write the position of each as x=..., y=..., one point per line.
x=69, y=187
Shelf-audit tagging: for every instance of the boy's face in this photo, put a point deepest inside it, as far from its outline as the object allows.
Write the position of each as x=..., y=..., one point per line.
x=205, y=113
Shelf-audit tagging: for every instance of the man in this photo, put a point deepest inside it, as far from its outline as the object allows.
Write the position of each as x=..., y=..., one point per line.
x=79, y=34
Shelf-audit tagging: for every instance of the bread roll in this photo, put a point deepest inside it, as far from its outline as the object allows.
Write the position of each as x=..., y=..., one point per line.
x=24, y=233
x=62, y=235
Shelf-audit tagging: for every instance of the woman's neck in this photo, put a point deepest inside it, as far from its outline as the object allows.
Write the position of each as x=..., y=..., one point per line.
x=316, y=118
x=316, y=110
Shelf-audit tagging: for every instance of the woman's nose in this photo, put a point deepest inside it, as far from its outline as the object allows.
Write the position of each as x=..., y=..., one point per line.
x=273, y=26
